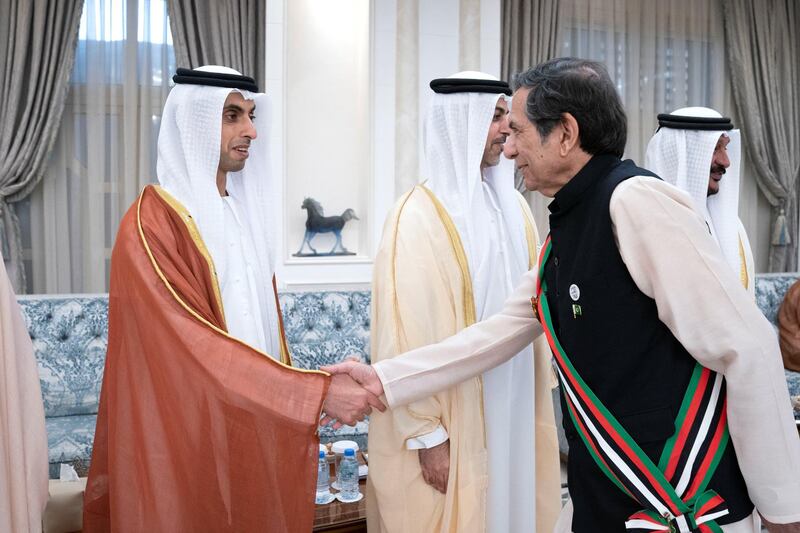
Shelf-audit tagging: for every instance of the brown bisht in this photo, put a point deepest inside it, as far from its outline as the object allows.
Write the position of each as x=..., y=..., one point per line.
x=196, y=431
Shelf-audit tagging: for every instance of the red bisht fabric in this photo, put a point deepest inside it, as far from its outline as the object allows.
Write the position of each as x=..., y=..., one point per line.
x=196, y=431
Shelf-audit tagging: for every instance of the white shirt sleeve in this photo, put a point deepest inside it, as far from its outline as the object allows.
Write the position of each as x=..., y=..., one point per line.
x=425, y=371
x=428, y=440
x=673, y=259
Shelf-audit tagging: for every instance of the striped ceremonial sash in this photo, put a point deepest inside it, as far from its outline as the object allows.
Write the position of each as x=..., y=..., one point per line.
x=673, y=494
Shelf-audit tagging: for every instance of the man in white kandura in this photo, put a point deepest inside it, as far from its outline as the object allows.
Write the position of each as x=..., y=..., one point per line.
x=697, y=150
x=469, y=458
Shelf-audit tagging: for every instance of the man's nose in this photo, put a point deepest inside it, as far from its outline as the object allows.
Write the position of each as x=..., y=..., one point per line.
x=510, y=148
x=250, y=130
x=504, y=126
x=723, y=160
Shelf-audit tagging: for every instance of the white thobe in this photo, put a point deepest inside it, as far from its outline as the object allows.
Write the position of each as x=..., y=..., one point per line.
x=672, y=258
x=247, y=300
x=508, y=401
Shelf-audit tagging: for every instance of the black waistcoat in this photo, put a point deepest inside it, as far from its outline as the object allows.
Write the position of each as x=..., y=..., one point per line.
x=617, y=343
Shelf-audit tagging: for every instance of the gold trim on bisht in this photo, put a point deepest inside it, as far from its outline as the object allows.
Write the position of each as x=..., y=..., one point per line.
x=461, y=257
x=187, y=219
x=743, y=277
x=198, y=241
x=286, y=355
x=463, y=265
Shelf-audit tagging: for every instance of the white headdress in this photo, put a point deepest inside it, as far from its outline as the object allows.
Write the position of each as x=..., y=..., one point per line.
x=188, y=157
x=454, y=136
x=681, y=152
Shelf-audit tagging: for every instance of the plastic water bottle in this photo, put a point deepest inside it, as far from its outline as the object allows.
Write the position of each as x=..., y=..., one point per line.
x=323, y=481
x=348, y=477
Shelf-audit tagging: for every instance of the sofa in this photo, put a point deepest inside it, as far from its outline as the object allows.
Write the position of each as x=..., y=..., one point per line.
x=70, y=334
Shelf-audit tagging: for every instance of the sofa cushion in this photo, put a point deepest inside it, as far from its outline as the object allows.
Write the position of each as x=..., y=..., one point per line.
x=325, y=327
x=69, y=338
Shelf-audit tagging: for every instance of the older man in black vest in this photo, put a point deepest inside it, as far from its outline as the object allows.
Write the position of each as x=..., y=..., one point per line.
x=674, y=397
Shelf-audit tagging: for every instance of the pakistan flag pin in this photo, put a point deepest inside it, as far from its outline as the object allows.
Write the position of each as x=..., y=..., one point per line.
x=575, y=293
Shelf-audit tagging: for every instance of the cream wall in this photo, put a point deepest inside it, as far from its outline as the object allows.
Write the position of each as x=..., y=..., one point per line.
x=328, y=127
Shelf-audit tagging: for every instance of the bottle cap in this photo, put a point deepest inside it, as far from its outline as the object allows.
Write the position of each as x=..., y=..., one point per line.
x=321, y=454
x=341, y=445
x=349, y=452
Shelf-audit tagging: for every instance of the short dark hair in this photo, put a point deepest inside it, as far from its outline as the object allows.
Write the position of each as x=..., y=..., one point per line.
x=582, y=88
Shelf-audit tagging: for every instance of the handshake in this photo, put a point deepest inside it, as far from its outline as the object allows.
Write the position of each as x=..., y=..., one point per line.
x=355, y=389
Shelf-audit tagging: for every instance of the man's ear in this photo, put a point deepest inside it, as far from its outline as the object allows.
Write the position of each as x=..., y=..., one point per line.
x=569, y=138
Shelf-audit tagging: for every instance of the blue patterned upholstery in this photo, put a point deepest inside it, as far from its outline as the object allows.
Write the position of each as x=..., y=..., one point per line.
x=325, y=327
x=70, y=335
x=69, y=338
x=770, y=289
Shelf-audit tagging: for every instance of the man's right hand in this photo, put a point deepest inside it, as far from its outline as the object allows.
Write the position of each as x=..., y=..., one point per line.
x=348, y=402
x=365, y=375
x=435, y=463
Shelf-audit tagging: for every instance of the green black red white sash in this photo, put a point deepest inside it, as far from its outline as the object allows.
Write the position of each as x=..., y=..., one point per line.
x=673, y=493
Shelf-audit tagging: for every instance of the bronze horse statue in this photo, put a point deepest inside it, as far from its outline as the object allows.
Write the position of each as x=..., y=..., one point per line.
x=317, y=222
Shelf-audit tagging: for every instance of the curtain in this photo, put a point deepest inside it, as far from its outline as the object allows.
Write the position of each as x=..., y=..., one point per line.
x=530, y=35
x=105, y=151
x=763, y=44
x=663, y=55
x=37, y=48
x=221, y=32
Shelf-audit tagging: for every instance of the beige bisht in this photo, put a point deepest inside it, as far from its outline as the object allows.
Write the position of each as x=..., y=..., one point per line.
x=23, y=440
x=421, y=294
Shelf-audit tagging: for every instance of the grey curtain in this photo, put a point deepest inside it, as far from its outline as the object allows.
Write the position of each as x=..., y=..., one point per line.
x=37, y=49
x=763, y=47
x=220, y=32
x=530, y=34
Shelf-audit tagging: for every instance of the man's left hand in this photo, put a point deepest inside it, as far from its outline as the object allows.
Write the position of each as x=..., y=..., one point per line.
x=435, y=465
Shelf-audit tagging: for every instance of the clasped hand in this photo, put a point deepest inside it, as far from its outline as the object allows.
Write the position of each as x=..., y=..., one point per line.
x=354, y=391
